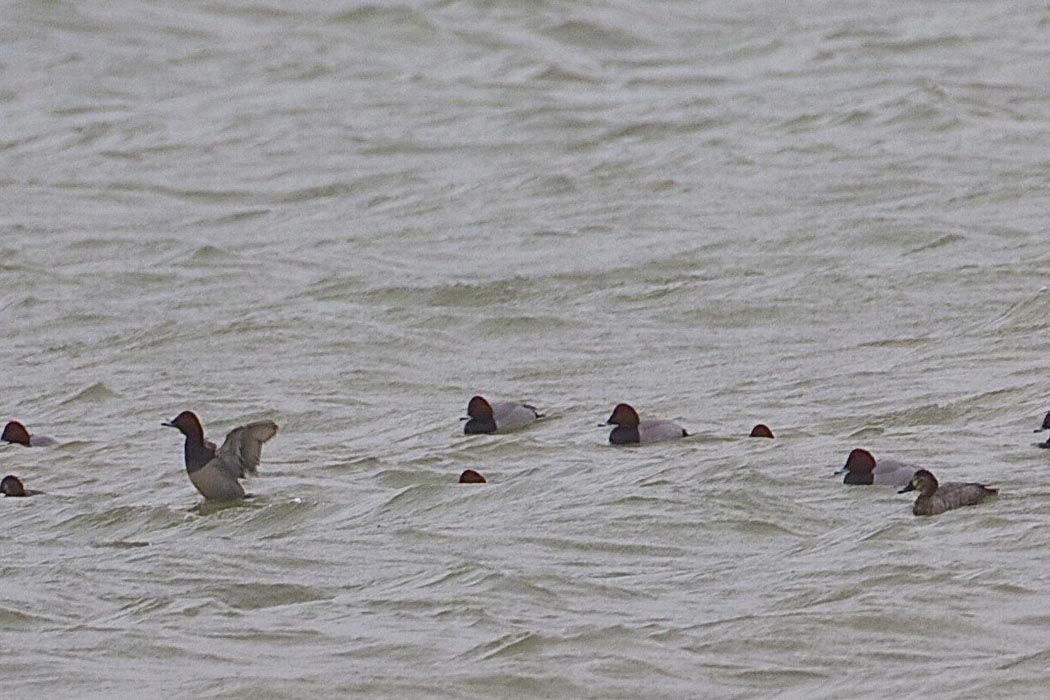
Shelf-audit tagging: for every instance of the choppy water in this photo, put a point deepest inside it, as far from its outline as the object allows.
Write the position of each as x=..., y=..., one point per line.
x=830, y=217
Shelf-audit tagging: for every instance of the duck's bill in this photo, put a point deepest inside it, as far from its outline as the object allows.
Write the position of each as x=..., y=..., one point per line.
x=842, y=470
x=906, y=489
x=168, y=424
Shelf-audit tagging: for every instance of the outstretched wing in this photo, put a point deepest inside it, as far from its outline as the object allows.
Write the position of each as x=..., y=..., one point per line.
x=240, y=453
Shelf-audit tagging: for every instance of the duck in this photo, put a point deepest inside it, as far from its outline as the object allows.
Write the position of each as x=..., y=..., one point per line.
x=761, y=431
x=631, y=430
x=15, y=432
x=215, y=472
x=1045, y=426
x=861, y=469
x=12, y=486
x=935, y=498
x=500, y=416
x=469, y=476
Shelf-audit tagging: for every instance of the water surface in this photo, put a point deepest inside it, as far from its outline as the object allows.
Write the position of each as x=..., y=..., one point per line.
x=349, y=218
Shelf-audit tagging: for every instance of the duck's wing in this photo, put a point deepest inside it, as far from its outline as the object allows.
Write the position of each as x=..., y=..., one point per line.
x=958, y=494
x=535, y=411
x=242, y=450
x=893, y=472
x=658, y=430
x=510, y=415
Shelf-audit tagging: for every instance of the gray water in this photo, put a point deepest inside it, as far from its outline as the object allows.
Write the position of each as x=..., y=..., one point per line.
x=349, y=218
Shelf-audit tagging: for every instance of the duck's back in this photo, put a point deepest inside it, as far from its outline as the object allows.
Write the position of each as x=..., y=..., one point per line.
x=242, y=450
x=892, y=472
x=953, y=495
x=510, y=415
x=657, y=430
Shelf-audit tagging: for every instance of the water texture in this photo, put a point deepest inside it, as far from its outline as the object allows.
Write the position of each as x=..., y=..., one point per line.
x=349, y=218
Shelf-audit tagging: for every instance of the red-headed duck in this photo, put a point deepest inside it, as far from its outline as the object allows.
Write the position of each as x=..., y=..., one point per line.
x=761, y=430
x=936, y=498
x=11, y=485
x=861, y=469
x=630, y=430
x=16, y=433
x=469, y=476
x=215, y=472
x=500, y=416
x=1045, y=426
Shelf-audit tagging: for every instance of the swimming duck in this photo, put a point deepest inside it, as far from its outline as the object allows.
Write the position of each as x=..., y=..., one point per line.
x=861, y=469
x=215, y=472
x=16, y=433
x=936, y=498
x=500, y=416
x=761, y=430
x=469, y=476
x=11, y=485
x=1045, y=426
x=630, y=430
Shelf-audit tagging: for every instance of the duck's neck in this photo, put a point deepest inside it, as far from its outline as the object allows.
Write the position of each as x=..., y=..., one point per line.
x=197, y=452
x=922, y=505
x=480, y=424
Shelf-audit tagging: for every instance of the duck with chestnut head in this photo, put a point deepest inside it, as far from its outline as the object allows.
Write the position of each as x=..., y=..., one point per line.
x=497, y=416
x=13, y=487
x=632, y=430
x=216, y=472
x=862, y=469
x=17, y=434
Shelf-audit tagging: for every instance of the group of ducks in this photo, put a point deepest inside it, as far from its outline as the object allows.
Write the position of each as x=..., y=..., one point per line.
x=216, y=472
x=501, y=416
x=861, y=468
